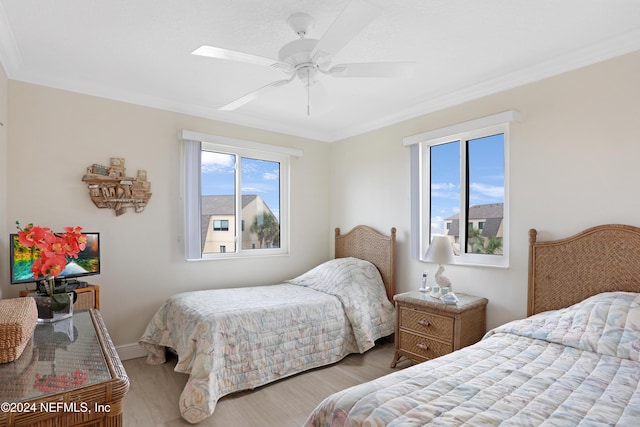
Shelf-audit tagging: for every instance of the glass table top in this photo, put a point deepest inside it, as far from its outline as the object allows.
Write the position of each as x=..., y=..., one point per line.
x=60, y=356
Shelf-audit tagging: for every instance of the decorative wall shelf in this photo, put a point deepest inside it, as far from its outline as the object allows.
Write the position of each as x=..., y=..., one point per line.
x=110, y=188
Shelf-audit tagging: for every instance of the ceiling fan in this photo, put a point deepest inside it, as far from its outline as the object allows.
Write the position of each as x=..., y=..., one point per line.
x=305, y=58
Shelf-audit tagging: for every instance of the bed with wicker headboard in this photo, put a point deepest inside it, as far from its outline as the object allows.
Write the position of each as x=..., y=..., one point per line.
x=575, y=360
x=366, y=243
x=599, y=259
x=241, y=338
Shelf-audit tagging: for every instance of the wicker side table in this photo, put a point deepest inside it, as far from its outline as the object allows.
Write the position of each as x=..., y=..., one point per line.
x=427, y=328
x=71, y=376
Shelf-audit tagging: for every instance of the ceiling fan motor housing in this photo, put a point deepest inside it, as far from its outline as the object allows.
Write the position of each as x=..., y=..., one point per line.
x=297, y=52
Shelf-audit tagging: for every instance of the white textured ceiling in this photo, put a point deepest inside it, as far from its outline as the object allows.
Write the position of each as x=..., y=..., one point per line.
x=139, y=51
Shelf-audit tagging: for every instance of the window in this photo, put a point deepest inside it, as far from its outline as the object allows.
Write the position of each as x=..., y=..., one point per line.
x=464, y=183
x=220, y=225
x=459, y=189
x=236, y=197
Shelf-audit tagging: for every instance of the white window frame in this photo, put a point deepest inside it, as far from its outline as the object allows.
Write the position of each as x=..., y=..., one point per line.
x=421, y=184
x=193, y=144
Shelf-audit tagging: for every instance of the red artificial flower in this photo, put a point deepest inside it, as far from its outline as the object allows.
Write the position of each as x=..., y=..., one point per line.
x=55, y=249
x=33, y=236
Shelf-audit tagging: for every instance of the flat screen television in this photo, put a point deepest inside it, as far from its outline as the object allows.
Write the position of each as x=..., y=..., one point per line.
x=22, y=259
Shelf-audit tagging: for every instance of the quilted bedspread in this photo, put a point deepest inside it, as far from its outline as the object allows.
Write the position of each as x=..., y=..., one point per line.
x=569, y=367
x=235, y=339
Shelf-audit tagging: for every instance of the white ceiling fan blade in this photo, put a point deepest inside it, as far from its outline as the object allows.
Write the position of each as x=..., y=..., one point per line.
x=374, y=69
x=253, y=95
x=234, y=55
x=353, y=18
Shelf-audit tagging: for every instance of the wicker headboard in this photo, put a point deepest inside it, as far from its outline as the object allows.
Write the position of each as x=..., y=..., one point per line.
x=366, y=243
x=600, y=259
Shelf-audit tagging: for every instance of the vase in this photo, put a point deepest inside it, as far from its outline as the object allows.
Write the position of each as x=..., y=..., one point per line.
x=46, y=314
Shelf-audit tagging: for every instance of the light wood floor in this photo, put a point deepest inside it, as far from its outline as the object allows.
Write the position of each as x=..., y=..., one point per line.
x=153, y=396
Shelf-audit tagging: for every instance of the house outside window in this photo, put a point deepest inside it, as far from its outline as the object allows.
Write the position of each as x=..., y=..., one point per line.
x=254, y=210
x=485, y=229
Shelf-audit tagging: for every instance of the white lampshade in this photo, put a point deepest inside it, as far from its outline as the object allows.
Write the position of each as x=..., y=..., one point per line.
x=440, y=251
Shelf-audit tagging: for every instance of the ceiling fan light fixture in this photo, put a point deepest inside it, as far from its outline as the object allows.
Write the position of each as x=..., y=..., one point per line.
x=307, y=73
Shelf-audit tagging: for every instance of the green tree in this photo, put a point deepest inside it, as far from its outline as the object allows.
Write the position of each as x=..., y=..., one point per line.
x=480, y=245
x=267, y=228
x=493, y=246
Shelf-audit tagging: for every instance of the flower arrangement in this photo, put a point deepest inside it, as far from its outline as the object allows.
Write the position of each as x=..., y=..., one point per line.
x=51, y=253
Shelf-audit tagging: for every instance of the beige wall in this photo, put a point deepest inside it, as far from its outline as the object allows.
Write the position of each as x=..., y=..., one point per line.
x=54, y=135
x=573, y=162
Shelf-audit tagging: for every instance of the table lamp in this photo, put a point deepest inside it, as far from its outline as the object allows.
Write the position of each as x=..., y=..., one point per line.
x=440, y=252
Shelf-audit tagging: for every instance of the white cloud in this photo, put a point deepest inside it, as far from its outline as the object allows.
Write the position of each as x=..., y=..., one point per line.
x=216, y=162
x=491, y=191
x=444, y=186
x=270, y=176
x=437, y=225
x=445, y=190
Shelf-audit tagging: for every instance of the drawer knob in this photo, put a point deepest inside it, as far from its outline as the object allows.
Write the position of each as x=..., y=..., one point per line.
x=422, y=346
x=424, y=322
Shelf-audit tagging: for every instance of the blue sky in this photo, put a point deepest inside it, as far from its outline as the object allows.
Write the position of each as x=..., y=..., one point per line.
x=486, y=177
x=258, y=177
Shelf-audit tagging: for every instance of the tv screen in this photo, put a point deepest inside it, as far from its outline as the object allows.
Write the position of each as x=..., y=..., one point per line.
x=22, y=259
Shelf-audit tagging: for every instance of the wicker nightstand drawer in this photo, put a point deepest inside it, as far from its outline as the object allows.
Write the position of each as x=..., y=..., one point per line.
x=423, y=347
x=426, y=323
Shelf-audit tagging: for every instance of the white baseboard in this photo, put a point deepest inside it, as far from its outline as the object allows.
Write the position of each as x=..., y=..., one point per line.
x=131, y=351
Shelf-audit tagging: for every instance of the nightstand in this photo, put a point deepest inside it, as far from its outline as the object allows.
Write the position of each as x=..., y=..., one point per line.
x=427, y=328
